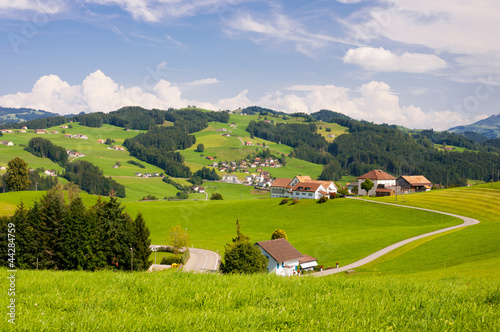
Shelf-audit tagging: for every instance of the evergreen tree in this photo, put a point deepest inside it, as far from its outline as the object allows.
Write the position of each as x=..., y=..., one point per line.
x=141, y=243
x=75, y=236
x=242, y=256
x=25, y=238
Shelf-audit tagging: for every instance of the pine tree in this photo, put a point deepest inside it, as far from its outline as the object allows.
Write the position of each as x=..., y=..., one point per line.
x=141, y=243
x=26, y=241
x=75, y=236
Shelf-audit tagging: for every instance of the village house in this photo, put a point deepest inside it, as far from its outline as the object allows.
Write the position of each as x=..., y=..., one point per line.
x=350, y=187
x=156, y=174
x=7, y=143
x=209, y=158
x=232, y=125
x=39, y=131
x=413, y=183
x=198, y=189
x=138, y=174
x=147, y=175
x=220, y=129
x=377, y=177
x=101, y=141
x=25, y=128
x=119, y=148
x=22, y=130
x=249, y=143
x=64, y=127
x=6, y=131
x=310, y=189
x=54, y=132
x=283, y=258
x=50, y=172
x=230, y=178
x=67, y=135
x=215, y=164
x=330, y=136
x=3, y=168
x=115, y=166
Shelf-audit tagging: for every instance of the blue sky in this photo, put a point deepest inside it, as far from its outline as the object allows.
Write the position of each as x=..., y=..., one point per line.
x=421, y=64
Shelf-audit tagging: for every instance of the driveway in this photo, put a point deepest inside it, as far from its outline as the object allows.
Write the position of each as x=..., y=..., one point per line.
x=466, y=222
x=201, y=260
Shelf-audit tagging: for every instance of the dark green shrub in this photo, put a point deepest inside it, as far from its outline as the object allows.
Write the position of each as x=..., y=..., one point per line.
x=171, y=260
x=284, y=201
x=323, y=199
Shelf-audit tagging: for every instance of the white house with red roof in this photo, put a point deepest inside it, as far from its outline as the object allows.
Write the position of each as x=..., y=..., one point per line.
x=379, y=178
x=309, y=190
x=283, y=187
x=283, y=258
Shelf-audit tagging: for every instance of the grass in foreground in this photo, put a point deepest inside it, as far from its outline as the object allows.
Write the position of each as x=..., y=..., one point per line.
x=117, y=301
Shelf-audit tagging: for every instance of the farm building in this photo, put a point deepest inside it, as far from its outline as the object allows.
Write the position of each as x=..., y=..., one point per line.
x=413, y=183
x=7, y=143
x=283, y=258
x=377, y=177
x=302, y=187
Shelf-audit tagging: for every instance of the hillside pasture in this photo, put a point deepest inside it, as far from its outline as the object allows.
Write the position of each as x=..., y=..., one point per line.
x=474, y=250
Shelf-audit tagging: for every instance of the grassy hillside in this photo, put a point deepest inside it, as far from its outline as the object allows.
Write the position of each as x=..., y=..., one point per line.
x=474, y=250
x=119, y=301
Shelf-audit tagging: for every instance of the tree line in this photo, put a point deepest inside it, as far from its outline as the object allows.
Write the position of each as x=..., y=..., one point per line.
x=90, y=179
x=56, y=235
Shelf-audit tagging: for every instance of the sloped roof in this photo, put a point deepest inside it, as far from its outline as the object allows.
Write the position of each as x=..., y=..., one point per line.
x=280, y=250
x=306, y=186
x=306, y=259
x=384, y=190
x=416, y=180
x=377, y=174
x=303, y=178
x=325, y=184
x=281, y=182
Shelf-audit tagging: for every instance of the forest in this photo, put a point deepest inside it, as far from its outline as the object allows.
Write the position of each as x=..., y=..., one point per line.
x=44, y=148
x=56, y=235
x=90, y=179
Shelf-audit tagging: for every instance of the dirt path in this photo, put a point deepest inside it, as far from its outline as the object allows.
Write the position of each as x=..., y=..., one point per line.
x=467, y=222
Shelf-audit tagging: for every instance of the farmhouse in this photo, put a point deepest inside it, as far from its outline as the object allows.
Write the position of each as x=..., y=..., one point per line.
x=248, y=143
x=331, y=136
x=7, y=143
x=6, y=131
x=101, y=141
x=302, y=187
x=54, y=132
x=377, y=177
x=50, y=173
x=64, y=126
x=138, y=174
x=25, y=128
x=220, y=129
x=381, y=192
x=39, y=131
x=413, y=183
x=67, y=135
x=230, y=178
x=283, y=258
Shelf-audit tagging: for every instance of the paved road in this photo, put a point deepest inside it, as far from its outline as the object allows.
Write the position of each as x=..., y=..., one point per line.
x=374, y=256
x=201, y=260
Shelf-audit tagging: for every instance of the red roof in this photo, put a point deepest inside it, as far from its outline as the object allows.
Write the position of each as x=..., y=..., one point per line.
x=306, y=186
x=281, y=182
x=377, y=175
x=280, y=250
x=384, y=190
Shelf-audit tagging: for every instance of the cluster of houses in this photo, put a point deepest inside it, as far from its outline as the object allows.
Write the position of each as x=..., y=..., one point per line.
x=385, y=184
x=147, y=175
x=198, y=189
x=245, y=165
x=117, y=148
x=75, y=154
x=261, y=179
x=284, y=259
x=302, y=187
x=76, y=136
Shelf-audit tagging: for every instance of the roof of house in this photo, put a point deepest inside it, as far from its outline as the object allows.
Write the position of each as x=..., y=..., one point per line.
x=377, y=174
x=281, y=182
x=384, y=190
x=416, y=180
x=307, y=258
x=303, y=178
x=325, y=184
x=280, y=250
x=306, y=186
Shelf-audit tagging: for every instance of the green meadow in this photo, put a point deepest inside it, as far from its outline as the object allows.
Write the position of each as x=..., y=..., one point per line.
x=175, y=301
x=474, y=250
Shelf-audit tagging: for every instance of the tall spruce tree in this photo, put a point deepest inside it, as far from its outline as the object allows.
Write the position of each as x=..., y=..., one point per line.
x=26, y=241
x=75, y=236
x=141, y=243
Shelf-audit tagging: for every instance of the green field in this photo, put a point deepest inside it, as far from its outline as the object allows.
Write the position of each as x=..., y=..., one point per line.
x=474, y=250
x=173, y=301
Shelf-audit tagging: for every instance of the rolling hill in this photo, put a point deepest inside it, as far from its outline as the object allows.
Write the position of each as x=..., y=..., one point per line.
x=14, y=115
x=489, y=127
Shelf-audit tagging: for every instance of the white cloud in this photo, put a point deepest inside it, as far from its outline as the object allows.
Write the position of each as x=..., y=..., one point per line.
x=379, y=59
x=47, y=7
x=373, y=101
x=205, y=81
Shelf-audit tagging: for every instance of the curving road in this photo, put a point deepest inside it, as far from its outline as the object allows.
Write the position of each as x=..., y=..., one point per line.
x=374, y=256
x=201, y=260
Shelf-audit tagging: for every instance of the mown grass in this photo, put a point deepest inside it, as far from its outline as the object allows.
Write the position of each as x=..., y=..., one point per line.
x=173, y=301
x=474, y=250
x=338, y=231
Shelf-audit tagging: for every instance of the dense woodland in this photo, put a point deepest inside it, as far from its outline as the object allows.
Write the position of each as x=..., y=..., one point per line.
x=44, y=148
x=157, y=147
x=68, y=236
x=90, y=179
x=204, y=173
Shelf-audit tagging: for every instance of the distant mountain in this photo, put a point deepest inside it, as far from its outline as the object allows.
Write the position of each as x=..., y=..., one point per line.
x=15, y=115
x=489, y=127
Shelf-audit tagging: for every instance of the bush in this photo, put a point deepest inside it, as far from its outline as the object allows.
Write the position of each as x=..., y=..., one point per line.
x=133, y=162
x=216, y=197
x=171, y=260
x=295, y=201
x=323, y=199
x=284, y=201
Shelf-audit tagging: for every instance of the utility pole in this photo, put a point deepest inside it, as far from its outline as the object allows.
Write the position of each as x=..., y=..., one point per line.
x=132, y=260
